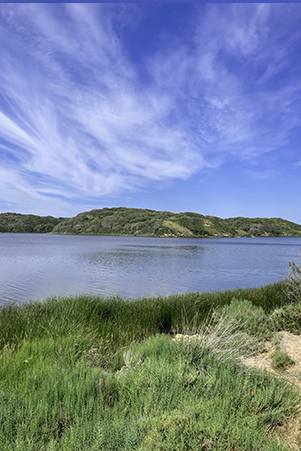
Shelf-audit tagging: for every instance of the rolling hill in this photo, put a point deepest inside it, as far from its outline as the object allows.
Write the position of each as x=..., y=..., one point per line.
x=142, y=222
x=17, y=223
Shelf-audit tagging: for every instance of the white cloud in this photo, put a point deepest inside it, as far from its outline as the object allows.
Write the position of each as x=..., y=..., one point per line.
x=248, y=117
x=77, y=114
x=102, y=121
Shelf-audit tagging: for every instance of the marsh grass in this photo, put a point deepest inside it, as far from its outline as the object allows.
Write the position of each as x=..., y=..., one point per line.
x=105, y=374
x=114, y=322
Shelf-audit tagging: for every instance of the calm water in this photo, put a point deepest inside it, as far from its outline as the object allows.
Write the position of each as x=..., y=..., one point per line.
x=35, y=266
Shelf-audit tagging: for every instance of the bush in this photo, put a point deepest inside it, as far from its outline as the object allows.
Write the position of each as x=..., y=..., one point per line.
x=288, y=318
x=252, y=319
x=292, y=287
x=281, y=360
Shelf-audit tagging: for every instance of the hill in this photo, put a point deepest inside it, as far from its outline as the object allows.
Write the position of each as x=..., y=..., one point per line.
x=18, y=223
x=141, y=222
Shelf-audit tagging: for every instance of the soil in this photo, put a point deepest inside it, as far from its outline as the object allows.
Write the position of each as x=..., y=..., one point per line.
x=291, y=431
x=292, y=345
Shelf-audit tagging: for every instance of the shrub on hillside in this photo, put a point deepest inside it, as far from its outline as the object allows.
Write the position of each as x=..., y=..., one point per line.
x=252, y=319
x=281, y=360
x=292, y=287
x=288, y=318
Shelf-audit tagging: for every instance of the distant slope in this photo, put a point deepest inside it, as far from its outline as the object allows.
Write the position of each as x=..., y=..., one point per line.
x=264, y=226
x=116, y=221
x=17, y=223
x=140, y=222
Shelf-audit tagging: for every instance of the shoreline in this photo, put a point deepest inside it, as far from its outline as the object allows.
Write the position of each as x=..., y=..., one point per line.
x=150, y=236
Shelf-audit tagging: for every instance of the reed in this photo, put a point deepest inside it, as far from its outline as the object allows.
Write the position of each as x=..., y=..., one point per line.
x=105, y=374
x=120, y=321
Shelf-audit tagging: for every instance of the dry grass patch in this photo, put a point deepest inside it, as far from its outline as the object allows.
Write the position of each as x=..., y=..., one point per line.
x=290, y=433
x=289, y=343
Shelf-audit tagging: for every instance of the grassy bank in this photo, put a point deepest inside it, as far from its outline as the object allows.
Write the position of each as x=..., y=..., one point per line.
x=88, y=373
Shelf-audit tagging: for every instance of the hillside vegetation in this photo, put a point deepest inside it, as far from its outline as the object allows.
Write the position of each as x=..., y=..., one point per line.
x=17, y=223
x=142, y=222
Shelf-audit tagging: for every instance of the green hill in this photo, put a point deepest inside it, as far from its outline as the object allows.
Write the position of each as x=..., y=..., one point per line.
x=17, y=223
x=141, y=222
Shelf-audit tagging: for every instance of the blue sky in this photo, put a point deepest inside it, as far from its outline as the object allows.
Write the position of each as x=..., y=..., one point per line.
x=178, y=107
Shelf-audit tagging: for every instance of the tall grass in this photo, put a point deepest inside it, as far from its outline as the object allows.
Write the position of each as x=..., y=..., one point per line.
x=89, y=373
x=160, y=401
x=116, y=322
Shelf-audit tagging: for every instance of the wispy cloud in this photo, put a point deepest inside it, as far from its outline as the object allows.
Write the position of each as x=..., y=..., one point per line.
x=238, y=97
x=81, y=122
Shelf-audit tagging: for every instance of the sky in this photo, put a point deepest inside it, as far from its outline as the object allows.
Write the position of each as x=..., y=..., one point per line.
x=172, y=106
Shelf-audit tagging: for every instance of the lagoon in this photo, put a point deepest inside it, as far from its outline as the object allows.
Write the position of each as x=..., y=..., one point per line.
x=36, y=266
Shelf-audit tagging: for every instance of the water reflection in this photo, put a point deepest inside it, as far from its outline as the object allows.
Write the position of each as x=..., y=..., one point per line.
x=38, y=266
x=188, y=248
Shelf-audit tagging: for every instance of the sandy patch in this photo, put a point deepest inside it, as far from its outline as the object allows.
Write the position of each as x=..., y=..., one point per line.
x=292, y=345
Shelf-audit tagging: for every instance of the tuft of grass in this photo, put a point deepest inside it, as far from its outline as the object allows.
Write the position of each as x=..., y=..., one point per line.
x=277, y=339
x=219, y=335
x=281, y=360
x=252, y=319
x=292, y=287
x=288, y=318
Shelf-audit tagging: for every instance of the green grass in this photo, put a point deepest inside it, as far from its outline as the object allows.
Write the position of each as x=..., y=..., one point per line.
x=160, y=400
x=281, y=360
x=115, y=322
x=104, y=374
x=252, y=319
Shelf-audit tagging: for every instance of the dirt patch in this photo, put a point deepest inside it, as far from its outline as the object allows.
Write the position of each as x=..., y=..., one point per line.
x=290, y=432
x=292, y=345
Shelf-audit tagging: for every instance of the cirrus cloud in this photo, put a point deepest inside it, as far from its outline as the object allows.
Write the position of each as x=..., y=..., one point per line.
x=81, y=119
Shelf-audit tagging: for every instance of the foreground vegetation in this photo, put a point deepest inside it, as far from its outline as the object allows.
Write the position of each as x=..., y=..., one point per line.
x=88, y=373
x=141, y=222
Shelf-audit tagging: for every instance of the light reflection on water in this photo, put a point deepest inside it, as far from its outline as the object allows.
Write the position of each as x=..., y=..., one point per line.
x=35, y=266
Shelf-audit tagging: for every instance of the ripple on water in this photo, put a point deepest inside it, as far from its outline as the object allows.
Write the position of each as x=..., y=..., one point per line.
x=39, y=266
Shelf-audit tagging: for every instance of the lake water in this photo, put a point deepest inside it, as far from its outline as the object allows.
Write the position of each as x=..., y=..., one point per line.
x=36, y=266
